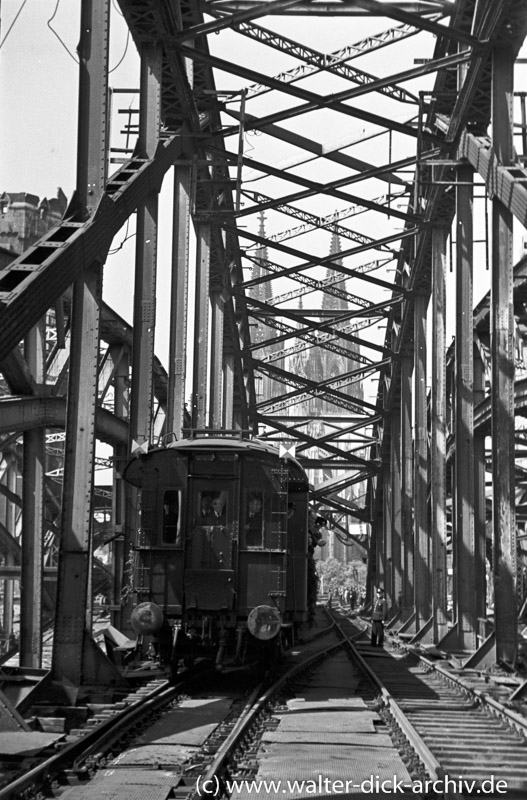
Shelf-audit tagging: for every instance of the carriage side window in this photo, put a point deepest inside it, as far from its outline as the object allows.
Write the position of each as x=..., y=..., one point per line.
x=171, y=532
x=254, y=520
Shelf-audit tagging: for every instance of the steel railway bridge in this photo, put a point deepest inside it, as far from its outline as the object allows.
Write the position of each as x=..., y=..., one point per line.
x=344, y=278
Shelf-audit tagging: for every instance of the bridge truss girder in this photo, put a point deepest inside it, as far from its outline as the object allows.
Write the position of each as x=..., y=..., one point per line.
x=184, y=84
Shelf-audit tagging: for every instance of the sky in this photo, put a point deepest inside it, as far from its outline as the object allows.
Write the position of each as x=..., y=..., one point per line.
x=38, y=91
x=38, y=96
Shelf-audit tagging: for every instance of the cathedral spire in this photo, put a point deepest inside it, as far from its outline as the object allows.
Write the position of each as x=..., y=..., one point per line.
x=330, y=301
x=334, y=247
x=261, y=232
x=261, y=291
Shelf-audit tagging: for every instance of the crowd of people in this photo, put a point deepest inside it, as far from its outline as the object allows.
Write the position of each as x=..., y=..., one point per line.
x=351, y=597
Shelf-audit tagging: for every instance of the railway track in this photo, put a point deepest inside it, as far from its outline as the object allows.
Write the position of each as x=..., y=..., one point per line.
x=180, y=755
x=342, y=718
x=458, y=730
x=74, y=758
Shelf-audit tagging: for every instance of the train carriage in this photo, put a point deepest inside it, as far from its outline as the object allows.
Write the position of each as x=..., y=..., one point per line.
x=220, y=557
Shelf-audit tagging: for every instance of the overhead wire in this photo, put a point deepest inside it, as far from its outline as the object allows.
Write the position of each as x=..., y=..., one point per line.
x=125, y=239
x=12, y=24
x=123, y=55
x=52, y=29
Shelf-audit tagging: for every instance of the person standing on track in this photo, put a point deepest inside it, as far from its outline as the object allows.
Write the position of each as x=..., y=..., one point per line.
x=378, y=618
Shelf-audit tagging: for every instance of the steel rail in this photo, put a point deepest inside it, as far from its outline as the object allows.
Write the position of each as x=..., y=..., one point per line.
x=212, y=777
x=249, y=715
x=511, y=717
x=421, y=748
x=90, y=743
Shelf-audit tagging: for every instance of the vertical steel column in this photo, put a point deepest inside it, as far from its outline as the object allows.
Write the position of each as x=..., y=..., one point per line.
x=502, y=348
x=423, y=607
x=121, y=405
x=3, y=521
x=32, y=516
x=236, y=388
x=73, y=601
x=407, y=485
x=438, y=436
x=378, y=563
x=465, y=543
x=387, y=536
x=70, y=639
x=396, y=510
x=141, y=390
x=375, y=538
x=200, y=377
x=146, y=254
x=10, y=524
x=216, y=354
x=179, y=301
x=228, y=392
x=480, y=504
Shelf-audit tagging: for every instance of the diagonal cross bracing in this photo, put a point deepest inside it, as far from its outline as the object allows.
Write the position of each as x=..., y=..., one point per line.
x=311, y=442
x=321, y=62
x=313, y=187
x=329, y=222
x=315, y=101
x=328, y=287
x=328, y=325
x=338, y=433
x=314, y=285
x=323, y=389
x=293, y=430
x=290, y=332
x=330, y=260
x=331, y=151
x=299, y=396
x=311, y=219
x=338, y=230
x=321, y=341
x=332, y=8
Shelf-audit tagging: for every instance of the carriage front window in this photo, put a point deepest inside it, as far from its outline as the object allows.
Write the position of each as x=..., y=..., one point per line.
x=171, y=517
x=212, y=508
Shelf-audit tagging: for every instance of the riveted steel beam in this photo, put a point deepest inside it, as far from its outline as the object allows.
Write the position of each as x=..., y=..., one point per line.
x=72, y=630
x=503, y=362
x=438, y=436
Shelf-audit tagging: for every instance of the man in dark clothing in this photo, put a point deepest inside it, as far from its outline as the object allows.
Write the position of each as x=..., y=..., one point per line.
x=216, y=515
x=253, y=525
x=378, y=618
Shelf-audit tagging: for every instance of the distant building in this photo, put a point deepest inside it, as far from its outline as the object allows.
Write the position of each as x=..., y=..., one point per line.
x=261, y=333
x=6, y=256
x=24, y=219
x=320, y=364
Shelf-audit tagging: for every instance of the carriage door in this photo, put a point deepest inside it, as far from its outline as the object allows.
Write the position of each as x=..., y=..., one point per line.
x=209, y=574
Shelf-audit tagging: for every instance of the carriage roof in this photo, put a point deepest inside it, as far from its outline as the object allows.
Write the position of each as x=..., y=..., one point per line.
x=216, y=444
